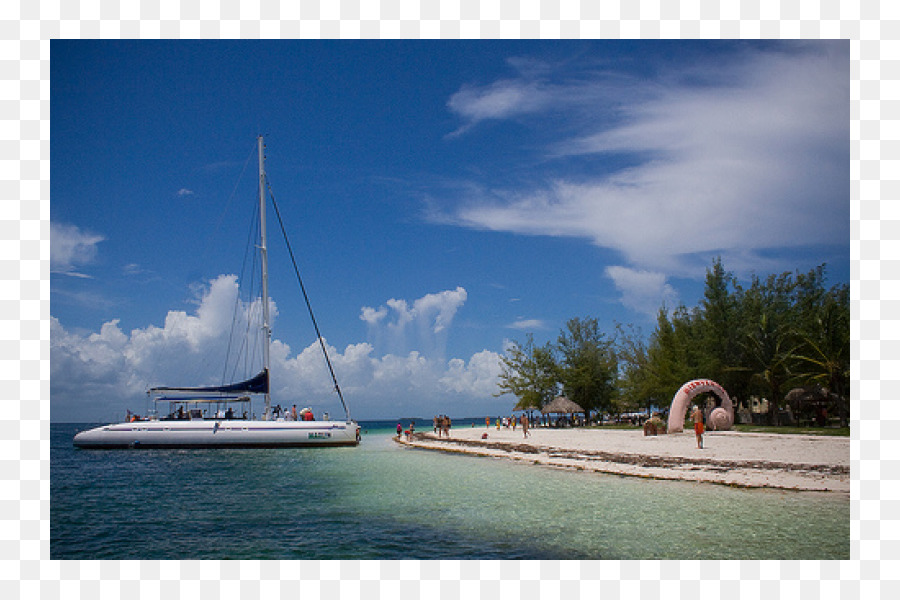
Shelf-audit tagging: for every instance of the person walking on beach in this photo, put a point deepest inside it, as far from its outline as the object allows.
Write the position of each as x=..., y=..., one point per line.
x=525, y=425
x=697, y=418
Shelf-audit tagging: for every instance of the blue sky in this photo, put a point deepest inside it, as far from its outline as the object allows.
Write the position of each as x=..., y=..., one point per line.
x=442, y=197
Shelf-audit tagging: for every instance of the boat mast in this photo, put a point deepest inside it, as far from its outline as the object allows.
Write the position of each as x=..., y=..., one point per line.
x=264, y=259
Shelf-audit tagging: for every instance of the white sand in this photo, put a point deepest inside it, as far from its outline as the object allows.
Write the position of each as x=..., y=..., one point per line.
x=798, y=462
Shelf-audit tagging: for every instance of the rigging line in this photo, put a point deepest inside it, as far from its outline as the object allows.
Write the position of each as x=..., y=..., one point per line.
x=237, y=305
x=215, y=231
x=246, y=351
x=287, y=242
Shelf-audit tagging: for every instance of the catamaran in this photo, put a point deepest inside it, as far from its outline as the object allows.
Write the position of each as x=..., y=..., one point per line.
x=188, y=425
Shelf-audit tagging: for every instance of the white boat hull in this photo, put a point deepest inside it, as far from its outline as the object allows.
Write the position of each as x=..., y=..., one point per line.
x=220, y=434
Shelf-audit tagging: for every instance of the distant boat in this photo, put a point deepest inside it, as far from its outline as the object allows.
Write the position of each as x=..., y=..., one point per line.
x=186, y=425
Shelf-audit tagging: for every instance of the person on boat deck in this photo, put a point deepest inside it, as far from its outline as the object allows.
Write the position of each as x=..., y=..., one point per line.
x=229, y=414
x=294, y=413
x=308, y=416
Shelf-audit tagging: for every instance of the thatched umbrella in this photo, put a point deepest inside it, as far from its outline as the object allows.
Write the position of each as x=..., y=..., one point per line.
x=810, y=394
x=810, y=398
x=561, y=404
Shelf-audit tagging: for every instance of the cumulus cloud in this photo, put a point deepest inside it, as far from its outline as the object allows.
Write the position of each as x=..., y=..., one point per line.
x=97, y=375
x=422, y=325
x=729, y=159
x=105, y=370
x=476, y=378
x=373, y=316
x=642, y=291
x=71, y=248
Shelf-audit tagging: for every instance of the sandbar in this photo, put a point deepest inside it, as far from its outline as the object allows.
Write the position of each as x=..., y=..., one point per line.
x=753, y=460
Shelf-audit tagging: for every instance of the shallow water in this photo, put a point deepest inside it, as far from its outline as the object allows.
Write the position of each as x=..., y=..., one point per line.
x=384, y=501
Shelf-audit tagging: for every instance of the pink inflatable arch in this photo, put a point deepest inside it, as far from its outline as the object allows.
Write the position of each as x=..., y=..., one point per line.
x=722, y=417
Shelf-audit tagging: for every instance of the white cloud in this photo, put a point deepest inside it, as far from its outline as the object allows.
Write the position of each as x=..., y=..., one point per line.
x=537, y=91
x=642, y=291
x=477, y=378
x=732, y=159
x=500, y=100
x=401, y=327
x=527, y=324
x=71, y=247
x=372, y=316
x=185, y=192
x=439, y=309
x=96, y=376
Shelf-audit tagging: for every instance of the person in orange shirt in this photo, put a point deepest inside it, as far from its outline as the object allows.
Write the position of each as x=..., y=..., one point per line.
x=697, y=418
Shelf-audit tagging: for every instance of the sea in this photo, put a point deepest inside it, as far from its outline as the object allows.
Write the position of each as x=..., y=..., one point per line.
x=385, y=501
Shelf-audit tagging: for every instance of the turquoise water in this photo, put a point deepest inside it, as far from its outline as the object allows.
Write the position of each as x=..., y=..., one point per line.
x=384, y=501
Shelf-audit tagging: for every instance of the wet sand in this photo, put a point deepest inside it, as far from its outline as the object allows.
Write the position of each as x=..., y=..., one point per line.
x=782, y=461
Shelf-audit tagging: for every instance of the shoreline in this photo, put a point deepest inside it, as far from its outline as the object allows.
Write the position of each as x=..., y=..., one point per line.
x=750, y=460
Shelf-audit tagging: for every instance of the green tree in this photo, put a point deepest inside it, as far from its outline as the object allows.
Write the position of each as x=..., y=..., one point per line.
x=635, y=380
x=782, y=331
x=768, y=354
x=769, y=339
x=588, y=365
x=823, y=357
x=720, y=331
x=675, y=352
x=529, y=372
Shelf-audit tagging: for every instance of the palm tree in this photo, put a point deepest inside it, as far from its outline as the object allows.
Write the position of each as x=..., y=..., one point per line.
x=823, y=357
x=768, y=352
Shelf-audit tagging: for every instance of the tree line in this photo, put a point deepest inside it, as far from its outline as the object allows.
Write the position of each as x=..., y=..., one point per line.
x=779, y=333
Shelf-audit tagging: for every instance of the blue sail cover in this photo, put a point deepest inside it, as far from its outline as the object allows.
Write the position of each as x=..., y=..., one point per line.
x=258, y=384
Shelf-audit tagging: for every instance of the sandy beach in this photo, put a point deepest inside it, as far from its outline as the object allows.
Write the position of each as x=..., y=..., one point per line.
x=782, y=461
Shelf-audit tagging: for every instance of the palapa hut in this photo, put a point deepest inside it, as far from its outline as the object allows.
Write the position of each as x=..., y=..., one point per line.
x=812, y=403
x=561, y=405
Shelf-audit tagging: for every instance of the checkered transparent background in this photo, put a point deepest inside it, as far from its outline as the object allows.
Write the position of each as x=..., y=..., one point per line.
x=25, y=569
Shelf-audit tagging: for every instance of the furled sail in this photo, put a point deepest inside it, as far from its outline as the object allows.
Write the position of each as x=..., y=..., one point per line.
x=259, y=384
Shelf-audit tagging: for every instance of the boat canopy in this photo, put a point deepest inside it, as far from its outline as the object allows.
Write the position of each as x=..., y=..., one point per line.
x=203, y=399
x=258, y=384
